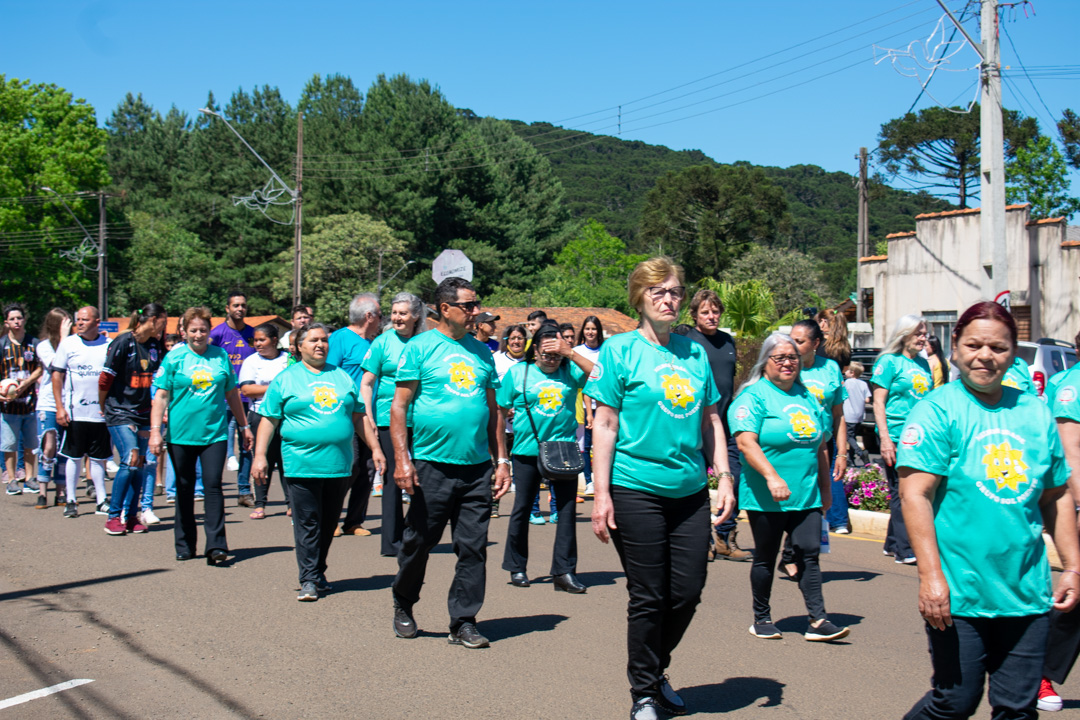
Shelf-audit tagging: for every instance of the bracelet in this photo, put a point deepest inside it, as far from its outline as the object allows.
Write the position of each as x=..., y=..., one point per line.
x=155, y=427
x=725, y=473
x=1072, y=571
x=241, y=428
x=502, y=461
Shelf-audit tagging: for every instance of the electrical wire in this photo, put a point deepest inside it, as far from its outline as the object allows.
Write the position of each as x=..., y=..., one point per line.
x=1020, y=62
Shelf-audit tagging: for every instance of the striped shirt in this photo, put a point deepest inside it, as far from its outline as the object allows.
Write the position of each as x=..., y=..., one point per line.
x=18, y=361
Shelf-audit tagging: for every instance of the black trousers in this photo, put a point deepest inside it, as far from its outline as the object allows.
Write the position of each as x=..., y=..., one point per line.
x=896, y=536
x=273, y=460
x=460, y=495
x=768, y=528
x=358, y=485
x=1062, y=645
x=315, y=503
x=564, y=554
x=663, y=544
x=212, y=457
x=393, y=517
x=1009, y=650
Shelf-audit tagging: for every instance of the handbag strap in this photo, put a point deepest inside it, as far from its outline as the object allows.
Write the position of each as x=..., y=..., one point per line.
x=525, y=397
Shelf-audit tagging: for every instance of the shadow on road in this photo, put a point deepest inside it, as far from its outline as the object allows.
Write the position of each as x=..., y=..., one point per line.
x=799, y=623
x=597, y=578
x=242, y=554
x=49, y=589
x=840, y=575
x=375, y=582
x=733, y=694
x=504, y=628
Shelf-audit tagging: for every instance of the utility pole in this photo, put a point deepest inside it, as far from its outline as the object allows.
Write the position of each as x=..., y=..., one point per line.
x=102, y=261
x=863, y=231
x=299, y=206
x=994, y=252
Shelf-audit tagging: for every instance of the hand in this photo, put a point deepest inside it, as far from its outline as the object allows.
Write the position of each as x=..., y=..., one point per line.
x=249, y=438
x=65, y=327
x=725, y=502
x=1067, y=592
x=555, y=345
x=502, y=480
x=888, y=452
x=840, y=467
x=156, y=444
x=24, y=387
x=405, y=475
x=934, y=601
x=260, y=470
x=588, y=424
x=379, y=459
x=62, y=418
x=778, y=489
x=603, y=516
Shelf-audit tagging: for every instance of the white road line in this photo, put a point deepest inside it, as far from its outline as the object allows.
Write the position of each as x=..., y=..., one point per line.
x=44, y=692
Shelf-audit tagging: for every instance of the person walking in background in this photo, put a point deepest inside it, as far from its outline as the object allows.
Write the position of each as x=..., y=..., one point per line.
x=54, y=328
x=858, y=392
x=18, y=422
x=234, y=336
x=939, y=364
x=448, y=377
x=377, y=388
x=315, y=407
x=978, y=460
x=131, y=362
x=834, y=343
x=302, y=316
x=589, y=339
x=512, y=352
x=256, y=374
x=901, y=379
x=485, y=325
x=656, y=414
x=197, y=387
x=534, y=320
x=348, y=348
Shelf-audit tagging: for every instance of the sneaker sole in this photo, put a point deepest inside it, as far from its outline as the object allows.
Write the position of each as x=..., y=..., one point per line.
x=811, y=637
x=307, y=598
x=471, y=645
x=114, y=532
x=777, y=636
x=1046, y=706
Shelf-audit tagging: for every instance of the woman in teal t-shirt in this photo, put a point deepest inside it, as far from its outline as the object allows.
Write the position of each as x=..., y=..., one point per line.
x=656, y=423
x=544, y=387
x=901, y=379
x=982, y=471
x=781, y=428
x=196, y=384
x=377, y=391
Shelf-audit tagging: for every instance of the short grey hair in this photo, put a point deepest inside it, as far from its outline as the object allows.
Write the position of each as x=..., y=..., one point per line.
x=903, y=329
x=363, y=305
x=416, y=308
x=767, y=347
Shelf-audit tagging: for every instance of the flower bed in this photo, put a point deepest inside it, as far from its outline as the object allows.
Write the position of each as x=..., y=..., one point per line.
x=866, y=488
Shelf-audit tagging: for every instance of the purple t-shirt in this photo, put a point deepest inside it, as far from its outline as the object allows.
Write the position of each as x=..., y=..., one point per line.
x=237, y=344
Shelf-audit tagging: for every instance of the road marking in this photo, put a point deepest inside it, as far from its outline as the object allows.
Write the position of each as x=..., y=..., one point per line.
x=44, y=692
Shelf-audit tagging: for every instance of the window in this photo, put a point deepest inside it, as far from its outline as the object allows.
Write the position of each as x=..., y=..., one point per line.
x=1057, y=360
x=940, y=324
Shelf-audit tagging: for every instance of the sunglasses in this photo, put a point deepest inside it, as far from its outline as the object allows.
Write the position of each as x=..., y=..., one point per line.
x=467, y=306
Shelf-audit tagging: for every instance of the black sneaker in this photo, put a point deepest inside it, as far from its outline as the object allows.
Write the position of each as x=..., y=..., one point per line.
x=468, y=636
x=404, y=624
x=42, y=503
x=668, y=700
x=72, y=510
x=825, y=632
x=765, y=631
x=645, y=708
x=308, y=593
x=322, y=585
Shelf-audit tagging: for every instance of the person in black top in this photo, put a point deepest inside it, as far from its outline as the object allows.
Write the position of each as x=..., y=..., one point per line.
x=705, y=310
x=124, y=393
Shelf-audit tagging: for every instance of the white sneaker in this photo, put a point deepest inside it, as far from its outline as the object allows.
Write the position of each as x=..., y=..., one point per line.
x=111, y=466
x=147, y=517
x=589, y=490
x=232, y=464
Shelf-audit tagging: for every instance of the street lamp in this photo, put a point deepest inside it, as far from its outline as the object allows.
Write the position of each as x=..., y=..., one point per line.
x=89, y=242
x=382, y=285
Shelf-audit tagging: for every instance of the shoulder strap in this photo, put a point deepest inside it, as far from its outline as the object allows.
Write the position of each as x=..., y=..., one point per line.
x=525, y=398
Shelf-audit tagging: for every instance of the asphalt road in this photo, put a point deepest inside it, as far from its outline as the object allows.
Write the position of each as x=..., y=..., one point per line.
x=161, y=639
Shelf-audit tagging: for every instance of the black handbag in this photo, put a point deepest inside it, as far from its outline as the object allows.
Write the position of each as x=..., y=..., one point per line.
x=558, y=460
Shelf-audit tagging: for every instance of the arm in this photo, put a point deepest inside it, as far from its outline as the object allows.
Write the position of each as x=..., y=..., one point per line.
x=404, y=472
x=559, y=346
x=714, y=445
x=888, y=450
x=587, y=401
x=62, y=418
x=365, y=429
x=1070, y=440
x=1059, y=518
x=367, y=394
x=260, y=468
x=917, y=491
x=824, y=478
x=497, y=446
x=253, y=391
x=237, y=406
x=755, y=457
x=27, y=383
x=605, y=431
x=157, y=416
x=841, y=441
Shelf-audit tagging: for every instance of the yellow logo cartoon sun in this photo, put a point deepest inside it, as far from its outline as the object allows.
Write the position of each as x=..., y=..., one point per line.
x=920, y=383
x=1005, y=466
x=550, y=398
x=816, y=392
x=1009, y=382
x=678, y=390
x=325, y=396
x=462, y=375
x=202, y=379
x=802, y=424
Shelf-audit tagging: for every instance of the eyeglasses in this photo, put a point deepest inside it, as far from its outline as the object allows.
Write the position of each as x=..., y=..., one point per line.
x=466, y=306
x=784, y=359
x=657, y=293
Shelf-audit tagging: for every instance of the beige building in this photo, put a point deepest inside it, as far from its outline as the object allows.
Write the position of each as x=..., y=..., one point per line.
x=936, y=271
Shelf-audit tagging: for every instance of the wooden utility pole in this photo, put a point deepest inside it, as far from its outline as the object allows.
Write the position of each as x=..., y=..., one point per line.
x=995, y=255
x=299, y=206
x=102, y=261
x=863, y=232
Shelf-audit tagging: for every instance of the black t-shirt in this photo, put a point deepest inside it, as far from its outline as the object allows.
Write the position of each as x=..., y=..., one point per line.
x=133, y=365
x=720, y=350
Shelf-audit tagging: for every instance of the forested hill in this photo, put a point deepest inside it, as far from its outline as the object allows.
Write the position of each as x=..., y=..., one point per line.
x=607, y=179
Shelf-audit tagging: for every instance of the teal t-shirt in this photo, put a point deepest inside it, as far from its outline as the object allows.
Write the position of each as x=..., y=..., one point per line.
x=660, y=394
x=790, y=425
x=316, y=413
x=825, y=382
x=381, y=361
x=1063, y=394
x=197, y=385
x=450, y=408
x=908, y=381
x=1018, y=376
x=346, y=350
x=995, y=463
x=552, y=400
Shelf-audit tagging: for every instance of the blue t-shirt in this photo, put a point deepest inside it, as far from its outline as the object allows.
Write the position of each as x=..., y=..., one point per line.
x=347, y=351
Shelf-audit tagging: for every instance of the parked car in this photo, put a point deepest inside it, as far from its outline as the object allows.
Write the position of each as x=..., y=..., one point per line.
x=1046, y=357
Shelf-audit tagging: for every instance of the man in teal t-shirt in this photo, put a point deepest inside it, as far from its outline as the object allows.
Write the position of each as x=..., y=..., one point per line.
x=448, y=378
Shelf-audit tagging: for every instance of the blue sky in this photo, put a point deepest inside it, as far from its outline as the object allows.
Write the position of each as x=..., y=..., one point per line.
x=569, y=63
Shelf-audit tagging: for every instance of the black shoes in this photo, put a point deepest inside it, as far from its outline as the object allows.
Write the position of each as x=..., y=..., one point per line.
x=567, y=583
x=404, y=624
x=668, y=700
x=216, y=557
x=182, y=556
x=645, y=708
x=468, y=636
x=519, y=579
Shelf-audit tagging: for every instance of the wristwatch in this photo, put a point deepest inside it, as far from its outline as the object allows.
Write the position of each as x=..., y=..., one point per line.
x=502, y=461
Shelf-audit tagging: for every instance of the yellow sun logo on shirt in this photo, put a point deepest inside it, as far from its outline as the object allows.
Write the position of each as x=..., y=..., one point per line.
x=462, y=375
x=802, y=424
x=1005, y=466
x=325, y=396
x=920, y=383
x=678, y=390
x=1009, y=382
x=202, y=379
x=817, y=392
x=550, y=398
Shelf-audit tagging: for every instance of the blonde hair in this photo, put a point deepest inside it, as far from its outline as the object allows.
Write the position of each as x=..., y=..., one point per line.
x=836, y=340
x=856, y=368
x=648, y=273
x=202, y=313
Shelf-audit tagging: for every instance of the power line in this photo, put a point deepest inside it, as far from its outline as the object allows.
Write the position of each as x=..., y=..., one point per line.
x=1020, y=62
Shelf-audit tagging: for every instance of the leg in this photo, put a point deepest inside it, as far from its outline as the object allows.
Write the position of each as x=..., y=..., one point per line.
x=527, y=479
x=307, y=496
x=428, y=514
x=958, y=655
x=124, y=439
x=768, y=530
x=586, y=451
x=736, y=468
x=263, y=488
x=185, y=532
x=896, y=538
x=1062, y=645
x=213, y=464
x=564, y=554
x=329, y=502
x=804, y=529
x=837, y=513
x=688, y=540
x=469, y=529
x=28, y=435
x=392, y=520
x=1016, y=649
x=360, y=486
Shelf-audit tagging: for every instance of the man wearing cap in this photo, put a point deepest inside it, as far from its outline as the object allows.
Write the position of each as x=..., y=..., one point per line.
x=485, y=330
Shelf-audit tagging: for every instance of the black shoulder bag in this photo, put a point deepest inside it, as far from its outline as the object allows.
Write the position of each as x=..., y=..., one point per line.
x=558, y=460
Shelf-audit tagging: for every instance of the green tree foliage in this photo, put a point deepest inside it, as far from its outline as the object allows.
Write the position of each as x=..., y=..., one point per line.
x=940, y=148
x=705, y=216
x=1069, y=130
x=1038, y=175
x=749, y=309
x=792, y=277
x=341, y=259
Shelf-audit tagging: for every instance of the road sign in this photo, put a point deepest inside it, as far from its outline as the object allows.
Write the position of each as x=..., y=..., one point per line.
x=108, y=327
x=1004, y=299
x=451, y=263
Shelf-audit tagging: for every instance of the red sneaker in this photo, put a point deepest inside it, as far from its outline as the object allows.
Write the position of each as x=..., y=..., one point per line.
x=1049, y=700
x=114, y=527
x=136, y=527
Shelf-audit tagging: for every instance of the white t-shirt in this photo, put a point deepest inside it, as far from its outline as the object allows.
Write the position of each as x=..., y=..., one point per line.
x=257, y=370
x=82, y=362
x=591, y=353
x=46, y=401
x=858, y=392
x=503, y=363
